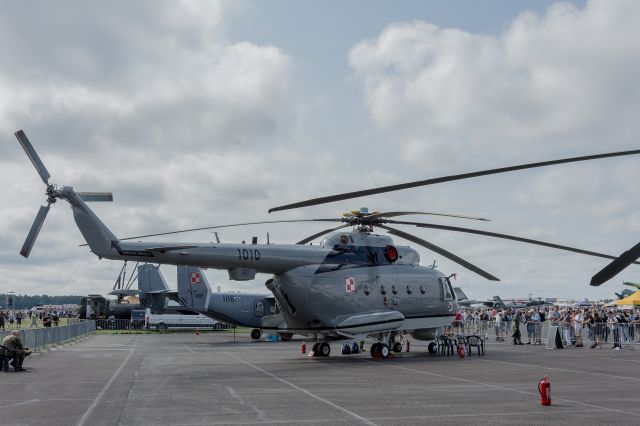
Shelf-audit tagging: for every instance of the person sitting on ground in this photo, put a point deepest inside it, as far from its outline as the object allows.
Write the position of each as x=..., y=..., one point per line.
x=14, y=348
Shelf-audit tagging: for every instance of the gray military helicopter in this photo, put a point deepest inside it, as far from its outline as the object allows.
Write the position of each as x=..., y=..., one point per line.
x=356, y=283
x=194, y=294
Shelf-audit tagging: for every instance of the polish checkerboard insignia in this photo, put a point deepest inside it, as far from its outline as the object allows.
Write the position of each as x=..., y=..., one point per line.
x=195, y=277
x=350, y=285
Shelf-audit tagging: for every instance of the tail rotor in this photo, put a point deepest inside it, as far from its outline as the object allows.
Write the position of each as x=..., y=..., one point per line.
x=52, y=193
x=51, y=196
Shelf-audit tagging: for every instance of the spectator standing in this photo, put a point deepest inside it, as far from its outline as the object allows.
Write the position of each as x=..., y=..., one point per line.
x=578, y=321
x=516, y=329
x=612, y=325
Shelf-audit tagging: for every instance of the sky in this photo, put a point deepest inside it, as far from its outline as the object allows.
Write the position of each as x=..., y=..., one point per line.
x=199, y=113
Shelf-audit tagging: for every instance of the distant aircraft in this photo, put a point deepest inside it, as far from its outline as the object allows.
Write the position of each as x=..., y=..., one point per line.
x=496, y=302
x=626, y=292
x=194, y=294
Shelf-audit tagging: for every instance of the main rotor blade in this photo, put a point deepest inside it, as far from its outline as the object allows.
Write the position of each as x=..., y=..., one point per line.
x=34, y=231
x=95, y=196
x=614, y=268
x=33, y=156
x=229, y=226
x=440, y=251
x=326, y=231
x=394, y=214
x=507, y=237
x=390, y=188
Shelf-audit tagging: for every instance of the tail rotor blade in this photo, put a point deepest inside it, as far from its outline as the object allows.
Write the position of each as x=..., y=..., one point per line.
x=33, y=156
x=95, y=196
x=34, y=231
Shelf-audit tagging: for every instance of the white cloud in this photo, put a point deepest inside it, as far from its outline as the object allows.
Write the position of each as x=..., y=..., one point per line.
x=550, y=86
x=189, y=128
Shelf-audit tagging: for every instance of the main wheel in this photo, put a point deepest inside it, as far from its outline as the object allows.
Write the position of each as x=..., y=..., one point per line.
x=397, y=347
x=255, y=334
x=384, y=351
x=433, y=348
x=315, y=349
x=374, y=349
x=324, y=349
x=286, y=336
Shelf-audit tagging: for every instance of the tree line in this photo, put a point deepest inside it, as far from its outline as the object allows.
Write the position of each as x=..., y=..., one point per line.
x=23, y=301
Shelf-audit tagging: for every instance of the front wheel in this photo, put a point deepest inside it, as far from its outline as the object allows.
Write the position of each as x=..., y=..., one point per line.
x=255, y=334
x=397, y=347
x=324, y=349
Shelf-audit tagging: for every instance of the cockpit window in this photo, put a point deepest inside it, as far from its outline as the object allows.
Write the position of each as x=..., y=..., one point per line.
x=348, y=254
x=446, y=292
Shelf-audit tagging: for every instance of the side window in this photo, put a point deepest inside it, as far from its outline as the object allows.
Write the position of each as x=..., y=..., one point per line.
x=383, y=290
x=446, y=293
x=367, y=289
x=409, y=289
x=423, y=290
x=394, y=290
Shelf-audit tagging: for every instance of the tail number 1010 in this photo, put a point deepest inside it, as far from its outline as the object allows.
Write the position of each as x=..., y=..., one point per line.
x=248, y=254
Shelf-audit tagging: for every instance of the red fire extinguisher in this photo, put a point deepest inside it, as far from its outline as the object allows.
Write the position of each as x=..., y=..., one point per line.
x=460, y=350
x=303, y=347
x=544, y=387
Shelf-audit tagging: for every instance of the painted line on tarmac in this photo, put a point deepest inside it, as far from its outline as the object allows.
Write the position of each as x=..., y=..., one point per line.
x=362, y=419
x=501, y=414
x=189, y=349
x=97, y=399
x=566, y=370
x=512, y=389
x=277, y=422
x=32, y=401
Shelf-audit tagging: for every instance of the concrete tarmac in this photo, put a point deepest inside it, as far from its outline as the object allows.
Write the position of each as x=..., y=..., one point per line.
x=184, y=379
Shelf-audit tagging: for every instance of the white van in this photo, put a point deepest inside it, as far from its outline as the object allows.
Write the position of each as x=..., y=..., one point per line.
x=175, y=321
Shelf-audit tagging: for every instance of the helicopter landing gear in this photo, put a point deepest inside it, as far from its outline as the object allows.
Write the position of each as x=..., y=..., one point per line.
x=256, y=333
x=286, y=337
x=321, y=349
x=380, y=351
x=324, y=349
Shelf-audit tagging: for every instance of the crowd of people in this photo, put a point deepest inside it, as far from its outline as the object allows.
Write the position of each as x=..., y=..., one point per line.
x=594, y=325
x=34, y=318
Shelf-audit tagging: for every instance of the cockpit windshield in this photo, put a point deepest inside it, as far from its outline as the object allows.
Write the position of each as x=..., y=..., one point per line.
x=346, y=254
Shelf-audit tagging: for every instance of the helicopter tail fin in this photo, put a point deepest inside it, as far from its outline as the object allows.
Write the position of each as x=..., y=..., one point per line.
x=193, y=288
x=153, y=288
x=101, y=240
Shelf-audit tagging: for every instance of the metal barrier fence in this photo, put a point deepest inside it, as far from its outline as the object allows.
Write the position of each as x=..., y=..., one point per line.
x=186, y=323
x=46, y=337
x=572, y=334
